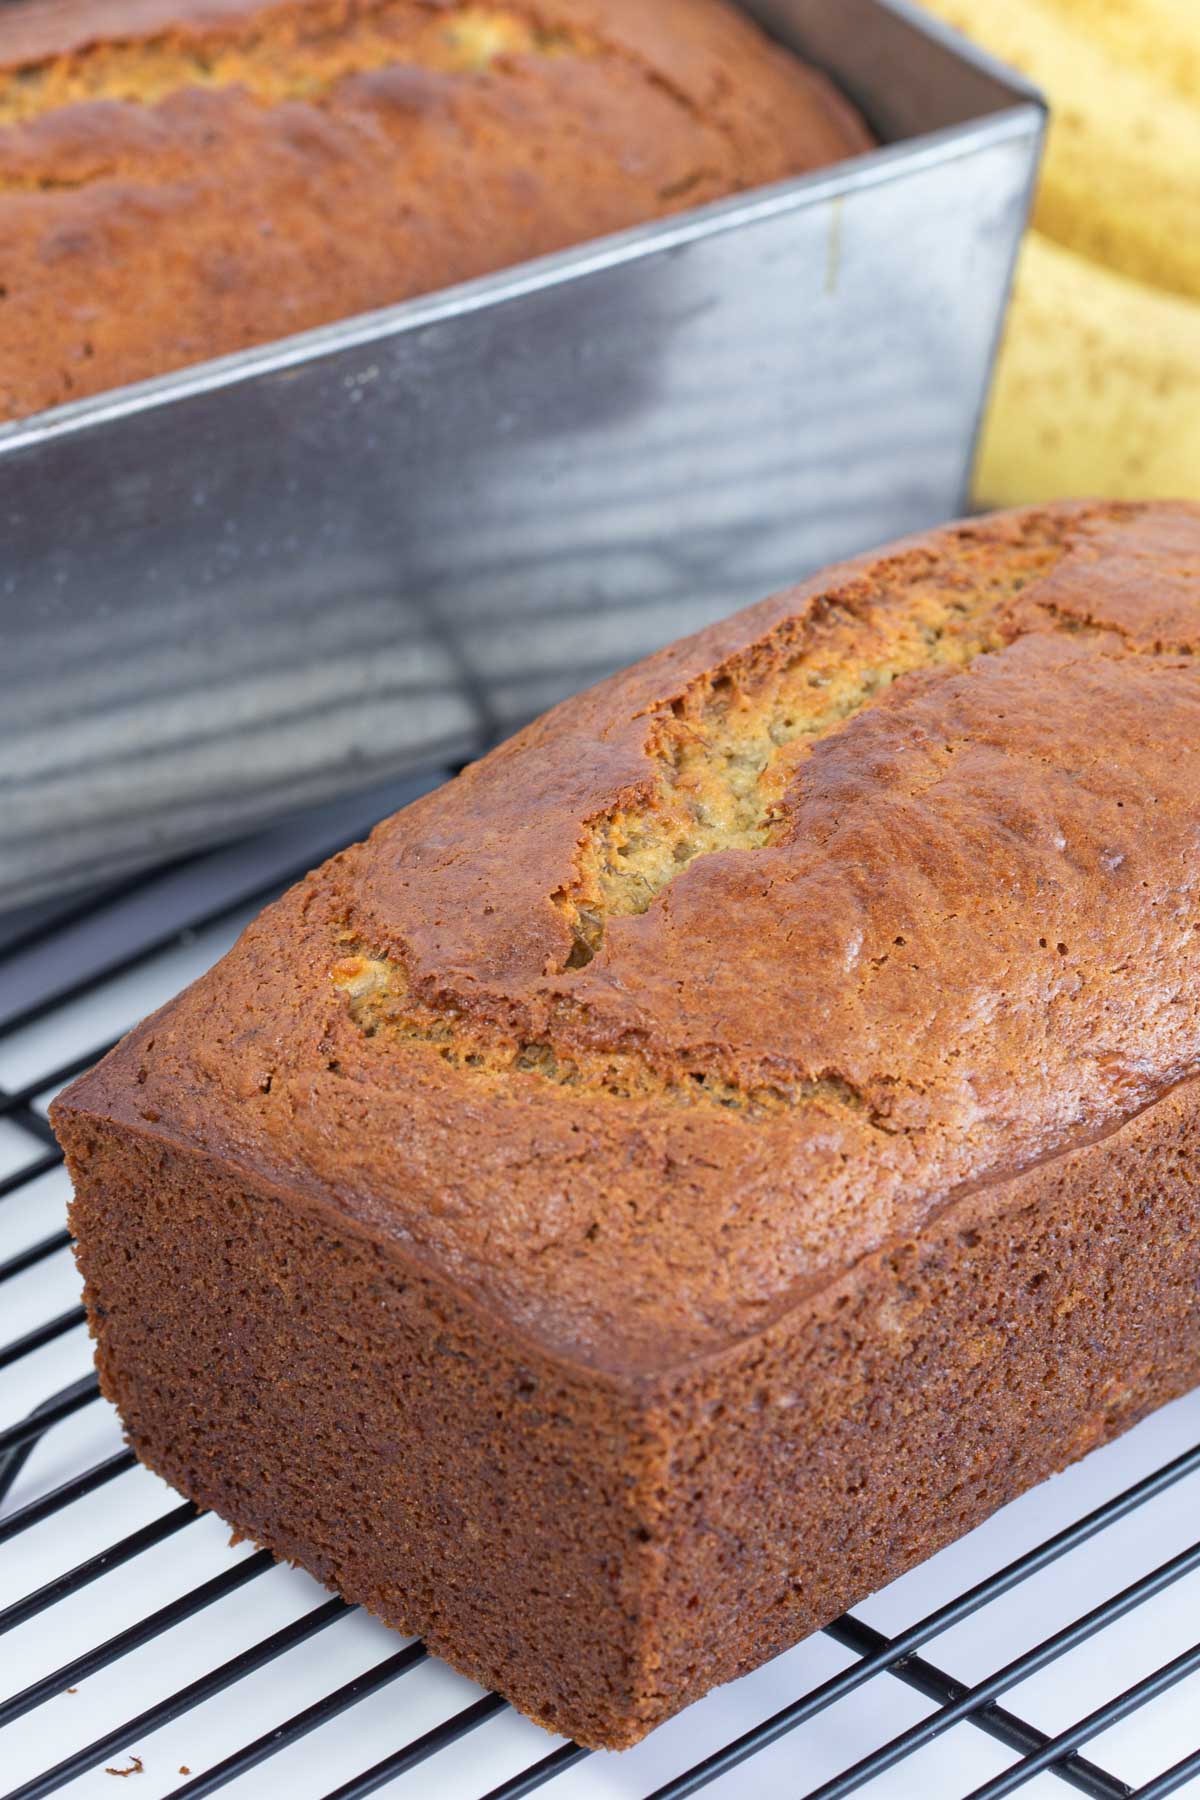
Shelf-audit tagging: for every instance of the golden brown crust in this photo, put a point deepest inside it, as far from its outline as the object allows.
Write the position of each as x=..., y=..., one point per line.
x=968, y=943
x=744, y=1130
x=377, y=149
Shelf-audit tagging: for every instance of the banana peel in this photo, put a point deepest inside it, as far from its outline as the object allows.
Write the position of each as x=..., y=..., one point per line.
x=1121, y=177
x=1097, y=389
x=1159, y=37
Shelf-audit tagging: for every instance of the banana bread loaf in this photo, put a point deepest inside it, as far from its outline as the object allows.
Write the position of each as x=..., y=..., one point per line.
x=678, y=1175
x=182, y=178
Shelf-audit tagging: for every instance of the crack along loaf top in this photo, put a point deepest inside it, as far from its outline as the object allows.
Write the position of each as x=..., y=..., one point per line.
x=739, y=965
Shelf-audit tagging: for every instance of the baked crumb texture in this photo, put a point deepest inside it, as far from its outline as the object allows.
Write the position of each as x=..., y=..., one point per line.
x=679, y=1175
x=182, y=180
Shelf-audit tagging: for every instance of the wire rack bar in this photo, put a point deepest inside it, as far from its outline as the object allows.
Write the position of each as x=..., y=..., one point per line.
x=538, y=1774
x=1172, y=1779
x=41, y=1335
x=184, y=1700
x=156, y=1532
x=60, y=1406
x=975, y=1698
x=29, y=1119
x=36, y=1253
x=41, y=1165
x=996, y=1721
x=128, y=925
x=77, y=1488
x=113, y=1649
x=301, y=1723
x=18, y=1099
x=1140, y=1694
x=33, y=924
x=18, y=1442
x=450, y=1731
x=106, y=961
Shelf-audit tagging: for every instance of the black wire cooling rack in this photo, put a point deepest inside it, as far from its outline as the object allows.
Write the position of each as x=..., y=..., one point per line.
x=49, y=958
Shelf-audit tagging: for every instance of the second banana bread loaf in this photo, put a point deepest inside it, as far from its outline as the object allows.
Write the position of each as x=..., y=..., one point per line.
x=680, y=1174
x=183, y=178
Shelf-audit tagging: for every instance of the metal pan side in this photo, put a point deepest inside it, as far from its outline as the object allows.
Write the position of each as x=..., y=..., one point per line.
x=927, y=91
x=303, y=569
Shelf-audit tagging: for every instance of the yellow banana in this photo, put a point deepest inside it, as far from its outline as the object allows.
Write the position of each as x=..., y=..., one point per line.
x=1098, y=388
x=1160, y=37
x=1121, y=181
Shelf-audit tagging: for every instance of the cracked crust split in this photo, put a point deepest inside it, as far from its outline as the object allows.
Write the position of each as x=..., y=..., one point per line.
x=326, y=44
x=936, y=921
x=728, y=747
x=724, y=759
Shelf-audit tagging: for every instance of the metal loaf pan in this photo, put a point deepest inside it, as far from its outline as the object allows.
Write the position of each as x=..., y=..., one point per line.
x=287, y=574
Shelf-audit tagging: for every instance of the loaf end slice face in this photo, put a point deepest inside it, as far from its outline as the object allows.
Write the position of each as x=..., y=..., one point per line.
x=680, y=1174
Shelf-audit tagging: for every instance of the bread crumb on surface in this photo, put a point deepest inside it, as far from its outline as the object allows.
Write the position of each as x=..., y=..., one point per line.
x=136, y=1767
